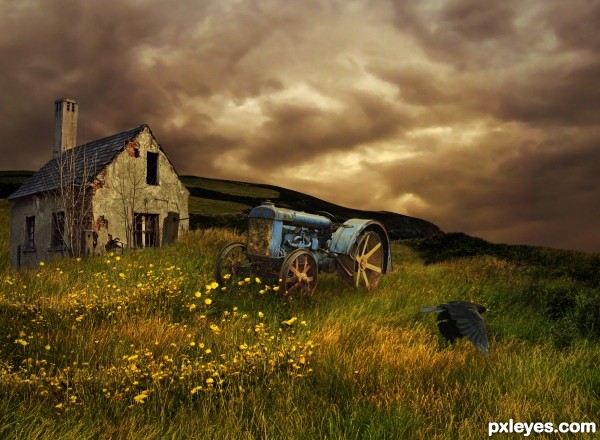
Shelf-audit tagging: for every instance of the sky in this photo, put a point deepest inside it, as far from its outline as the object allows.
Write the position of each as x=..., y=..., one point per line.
x=481, y=117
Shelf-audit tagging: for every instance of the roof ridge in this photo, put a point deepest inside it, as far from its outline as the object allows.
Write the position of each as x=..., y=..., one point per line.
x=104, y=150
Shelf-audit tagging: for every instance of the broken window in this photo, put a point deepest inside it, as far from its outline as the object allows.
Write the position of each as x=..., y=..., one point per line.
x=152, y=168
x=30, y=233
x=57, y=240
x=145, y=230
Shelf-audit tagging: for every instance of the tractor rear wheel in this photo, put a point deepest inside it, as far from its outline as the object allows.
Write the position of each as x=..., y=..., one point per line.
x=299, y=273
x=364, y=266
x=232, y=264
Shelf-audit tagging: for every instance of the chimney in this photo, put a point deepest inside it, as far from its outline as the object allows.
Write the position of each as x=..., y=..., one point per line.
x=65, y=125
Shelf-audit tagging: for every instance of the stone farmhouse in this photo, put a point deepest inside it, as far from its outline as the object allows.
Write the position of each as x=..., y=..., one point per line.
x=120, y=191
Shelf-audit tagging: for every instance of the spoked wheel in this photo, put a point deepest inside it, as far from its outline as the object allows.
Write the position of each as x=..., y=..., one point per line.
x=364, y=266
x=299, y=273
x=232, y=263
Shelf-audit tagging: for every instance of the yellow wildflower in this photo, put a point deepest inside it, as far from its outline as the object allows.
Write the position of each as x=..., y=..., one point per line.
x=214, y=284
x=42, y=263
x=140, y=398
x=197, y=294
x=207, y=301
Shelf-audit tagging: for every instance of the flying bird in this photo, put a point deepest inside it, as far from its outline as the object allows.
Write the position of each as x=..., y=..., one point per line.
x=461, y=318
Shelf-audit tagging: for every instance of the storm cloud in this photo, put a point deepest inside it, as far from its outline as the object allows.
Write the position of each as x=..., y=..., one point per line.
x=480, y=117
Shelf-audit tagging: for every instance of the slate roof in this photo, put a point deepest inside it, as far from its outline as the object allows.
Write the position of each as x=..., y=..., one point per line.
x=88, y=160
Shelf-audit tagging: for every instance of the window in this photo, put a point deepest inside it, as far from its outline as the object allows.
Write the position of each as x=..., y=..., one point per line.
x=145, y=230
x=58, y=230
x=152, y=168
x=30, y=233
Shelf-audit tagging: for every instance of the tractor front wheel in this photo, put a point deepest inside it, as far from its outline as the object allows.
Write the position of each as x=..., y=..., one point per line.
x=299, y=273
x=232, y=264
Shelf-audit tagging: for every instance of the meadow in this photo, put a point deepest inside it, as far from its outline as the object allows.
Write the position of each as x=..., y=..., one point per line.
x=145, y=345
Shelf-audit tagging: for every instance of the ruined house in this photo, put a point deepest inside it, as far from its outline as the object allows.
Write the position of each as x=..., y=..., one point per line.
x=120, y=191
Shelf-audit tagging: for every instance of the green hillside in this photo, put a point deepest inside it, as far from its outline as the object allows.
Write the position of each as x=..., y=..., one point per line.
x=226, y=203
x=10, y=181
x=239, y=197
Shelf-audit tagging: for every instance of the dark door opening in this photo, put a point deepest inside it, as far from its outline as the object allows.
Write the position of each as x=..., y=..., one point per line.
x=145, y=230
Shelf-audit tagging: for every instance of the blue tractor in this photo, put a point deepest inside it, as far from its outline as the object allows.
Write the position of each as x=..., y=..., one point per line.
x=293, y=247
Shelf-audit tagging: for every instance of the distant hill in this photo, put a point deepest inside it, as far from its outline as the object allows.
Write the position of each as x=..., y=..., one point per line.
x=240, y=197
x=11, y=180
x=215, y=202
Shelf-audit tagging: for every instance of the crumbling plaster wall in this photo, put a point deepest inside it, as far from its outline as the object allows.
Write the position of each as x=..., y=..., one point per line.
x=121, y=191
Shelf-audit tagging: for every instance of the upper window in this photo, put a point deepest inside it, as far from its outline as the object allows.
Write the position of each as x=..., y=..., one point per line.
x=57, y=240
x=152, y=168
x=30, y=232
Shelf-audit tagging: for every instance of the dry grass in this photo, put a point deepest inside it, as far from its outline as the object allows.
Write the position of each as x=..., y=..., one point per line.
x=124, y=349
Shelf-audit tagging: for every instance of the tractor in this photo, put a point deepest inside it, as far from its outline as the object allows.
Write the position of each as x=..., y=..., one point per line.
x=292, y=247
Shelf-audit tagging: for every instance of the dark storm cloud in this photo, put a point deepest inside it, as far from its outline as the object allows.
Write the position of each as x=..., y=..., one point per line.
x=479, y=116
x=539, y=194
x=297, y=134
x=561, y=96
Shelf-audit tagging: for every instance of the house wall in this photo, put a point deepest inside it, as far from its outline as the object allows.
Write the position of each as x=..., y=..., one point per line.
x=41, y=208
x=121, y=191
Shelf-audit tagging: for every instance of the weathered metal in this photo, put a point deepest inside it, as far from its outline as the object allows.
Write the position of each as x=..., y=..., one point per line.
x=293, y=247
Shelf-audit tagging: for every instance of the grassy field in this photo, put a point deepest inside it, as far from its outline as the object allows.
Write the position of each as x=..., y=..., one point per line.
x=145, y=346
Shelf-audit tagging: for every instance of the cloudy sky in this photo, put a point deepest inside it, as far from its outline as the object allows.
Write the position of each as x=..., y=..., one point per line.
x=479, y=116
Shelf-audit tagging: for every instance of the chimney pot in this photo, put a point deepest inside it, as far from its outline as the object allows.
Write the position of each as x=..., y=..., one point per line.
x=65, y=125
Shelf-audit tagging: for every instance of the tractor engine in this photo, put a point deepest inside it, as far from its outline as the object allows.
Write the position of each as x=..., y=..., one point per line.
x=275, y=232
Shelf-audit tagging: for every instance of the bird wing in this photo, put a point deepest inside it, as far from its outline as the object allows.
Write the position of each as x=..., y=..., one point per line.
x=470, y=324
x=429, y=309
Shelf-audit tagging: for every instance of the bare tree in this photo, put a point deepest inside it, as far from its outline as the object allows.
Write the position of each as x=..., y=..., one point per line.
x=69, y=191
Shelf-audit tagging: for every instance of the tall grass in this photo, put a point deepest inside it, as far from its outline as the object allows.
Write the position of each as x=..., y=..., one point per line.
x=127, y=347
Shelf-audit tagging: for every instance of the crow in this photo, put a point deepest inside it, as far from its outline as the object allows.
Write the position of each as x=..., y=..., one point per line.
x=461, y=318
